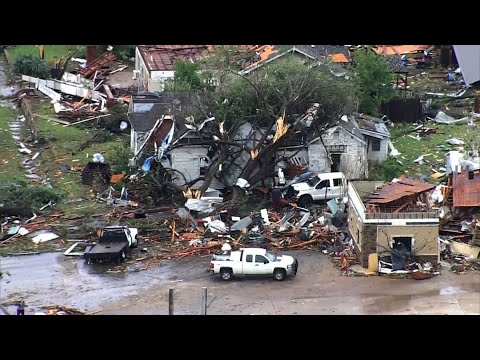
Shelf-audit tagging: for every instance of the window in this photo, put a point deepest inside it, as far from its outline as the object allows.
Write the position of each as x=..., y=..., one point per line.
x=375, y=144
x=337, y=182
x=471, y=175
x=323, y=184
x=249, y=258
x=336, y=134
x=260, y=259
x=203, y=166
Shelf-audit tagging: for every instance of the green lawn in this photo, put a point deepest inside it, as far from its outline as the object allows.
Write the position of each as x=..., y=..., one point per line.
x=434, y=145
x=63, y=145
x=11, y=169
x=51, y=52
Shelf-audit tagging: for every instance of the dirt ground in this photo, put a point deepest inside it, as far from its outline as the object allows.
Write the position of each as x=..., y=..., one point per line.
x=318, y=288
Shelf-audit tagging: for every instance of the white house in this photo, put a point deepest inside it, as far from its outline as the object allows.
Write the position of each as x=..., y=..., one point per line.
x=154, y=64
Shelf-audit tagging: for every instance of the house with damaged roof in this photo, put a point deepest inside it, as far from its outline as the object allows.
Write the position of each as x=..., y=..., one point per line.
x=155, y=64
x=311, y=54
x=393, y=220
x=350, y=145
x=162, y=135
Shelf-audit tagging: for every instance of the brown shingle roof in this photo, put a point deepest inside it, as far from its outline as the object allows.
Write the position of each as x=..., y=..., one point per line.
x=163, y=57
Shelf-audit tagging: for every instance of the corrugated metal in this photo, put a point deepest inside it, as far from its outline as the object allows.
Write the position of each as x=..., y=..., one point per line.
x=468, y=57
x=396, y=190
x=466, y=191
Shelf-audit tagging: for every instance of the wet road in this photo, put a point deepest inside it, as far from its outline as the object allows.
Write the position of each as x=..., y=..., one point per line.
x=317, y=289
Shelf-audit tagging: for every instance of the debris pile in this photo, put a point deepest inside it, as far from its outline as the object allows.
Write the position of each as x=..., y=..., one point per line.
x=62, y=310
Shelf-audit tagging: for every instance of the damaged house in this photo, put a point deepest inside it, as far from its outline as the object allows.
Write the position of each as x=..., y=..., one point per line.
x=154, y=128
x=154, y=64
x=393, y=220
x=347, y=147
x=312, y=54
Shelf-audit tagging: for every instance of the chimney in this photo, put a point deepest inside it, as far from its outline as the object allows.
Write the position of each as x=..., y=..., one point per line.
x=91, y=53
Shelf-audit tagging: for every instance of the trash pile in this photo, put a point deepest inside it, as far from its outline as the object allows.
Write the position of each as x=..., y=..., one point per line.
x=81, y=95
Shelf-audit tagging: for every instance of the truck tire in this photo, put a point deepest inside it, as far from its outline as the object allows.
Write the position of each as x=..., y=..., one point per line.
x=135, y=243
x=279, y=274
x=123, y=256
x=295, y=267
x=226, y=274
x=305, y=201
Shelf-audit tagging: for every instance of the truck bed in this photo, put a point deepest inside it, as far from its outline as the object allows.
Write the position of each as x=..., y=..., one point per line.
x=105, y=251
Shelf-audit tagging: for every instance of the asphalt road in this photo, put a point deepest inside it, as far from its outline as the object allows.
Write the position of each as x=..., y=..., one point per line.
x=318, y=288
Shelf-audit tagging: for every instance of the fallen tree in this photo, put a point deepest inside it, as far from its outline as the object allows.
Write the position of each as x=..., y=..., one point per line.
x=251, y=117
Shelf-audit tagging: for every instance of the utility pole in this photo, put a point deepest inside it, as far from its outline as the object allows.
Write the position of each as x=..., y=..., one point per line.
x=170, y=301
x=203, y=305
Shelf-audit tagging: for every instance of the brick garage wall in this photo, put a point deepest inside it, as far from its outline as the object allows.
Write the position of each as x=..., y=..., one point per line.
x=369, y=243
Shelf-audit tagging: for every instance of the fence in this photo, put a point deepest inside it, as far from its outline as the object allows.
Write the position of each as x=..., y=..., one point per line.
x=403, y=110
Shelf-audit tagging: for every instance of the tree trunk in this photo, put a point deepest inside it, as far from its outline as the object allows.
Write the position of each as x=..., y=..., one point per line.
x=213, y=170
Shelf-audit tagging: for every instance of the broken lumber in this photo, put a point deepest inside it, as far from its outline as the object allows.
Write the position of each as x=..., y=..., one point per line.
x=82, y=121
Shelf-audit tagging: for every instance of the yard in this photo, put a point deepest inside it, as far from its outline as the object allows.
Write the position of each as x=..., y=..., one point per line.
x=10, y=163
x=51, y=52
x=433, y=147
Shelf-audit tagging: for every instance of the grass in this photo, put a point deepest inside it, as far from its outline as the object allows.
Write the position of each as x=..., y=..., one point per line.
x=11, y=169
x=434, y=145
x=62, y=147
x=51, y=52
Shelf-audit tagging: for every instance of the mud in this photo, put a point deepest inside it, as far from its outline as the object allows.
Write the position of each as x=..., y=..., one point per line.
x=318, y=288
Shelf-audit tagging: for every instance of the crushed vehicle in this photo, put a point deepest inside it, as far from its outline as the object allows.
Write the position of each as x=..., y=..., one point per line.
x=322, y=187
x=253, y=261
x=114, y=244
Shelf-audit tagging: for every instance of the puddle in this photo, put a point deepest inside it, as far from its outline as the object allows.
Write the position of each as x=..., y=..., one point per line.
x=72, y=282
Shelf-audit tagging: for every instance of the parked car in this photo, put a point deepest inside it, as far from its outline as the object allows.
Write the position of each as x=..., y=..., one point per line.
x=253, y=261
x=323, y=186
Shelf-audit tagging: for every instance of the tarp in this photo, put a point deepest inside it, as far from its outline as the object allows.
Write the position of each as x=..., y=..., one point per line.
x=443, y=118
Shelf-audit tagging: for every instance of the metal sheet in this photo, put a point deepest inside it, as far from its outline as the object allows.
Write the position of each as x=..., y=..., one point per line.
x=466, y=191
x=396, y=190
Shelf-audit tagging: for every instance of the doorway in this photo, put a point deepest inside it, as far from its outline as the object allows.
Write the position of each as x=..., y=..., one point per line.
x=335, y=162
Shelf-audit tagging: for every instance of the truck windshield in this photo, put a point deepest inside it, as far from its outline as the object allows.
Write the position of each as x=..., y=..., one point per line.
x=270, y=256
x=312, y=181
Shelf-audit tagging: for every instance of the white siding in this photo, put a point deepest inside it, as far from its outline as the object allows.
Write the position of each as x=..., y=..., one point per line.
x=187, y=161
x=377, y=155
x=156, y=82
x=317, y=159
x=353, y=161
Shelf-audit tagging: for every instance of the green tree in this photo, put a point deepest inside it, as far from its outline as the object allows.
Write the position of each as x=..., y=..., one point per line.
x=373, y=81
x=32, y=66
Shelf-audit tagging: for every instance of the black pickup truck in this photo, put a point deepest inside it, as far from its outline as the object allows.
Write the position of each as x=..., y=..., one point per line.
x=114, y=245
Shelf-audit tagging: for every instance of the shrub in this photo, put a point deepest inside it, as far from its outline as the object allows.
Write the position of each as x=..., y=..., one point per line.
x=28, y=197
x=32, y=66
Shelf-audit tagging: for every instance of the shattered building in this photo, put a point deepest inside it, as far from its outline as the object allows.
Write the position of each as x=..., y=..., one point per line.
x=386, y=219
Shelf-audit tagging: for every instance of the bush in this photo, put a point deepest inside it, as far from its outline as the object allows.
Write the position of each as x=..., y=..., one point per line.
x=118, y=158
x=32, y=66
x=387, y=171
x=28, y=197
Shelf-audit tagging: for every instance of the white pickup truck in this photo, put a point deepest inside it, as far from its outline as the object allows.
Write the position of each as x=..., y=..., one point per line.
x=253, y=261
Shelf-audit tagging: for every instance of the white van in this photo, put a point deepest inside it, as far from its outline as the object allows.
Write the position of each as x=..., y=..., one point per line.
x=320, y=187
